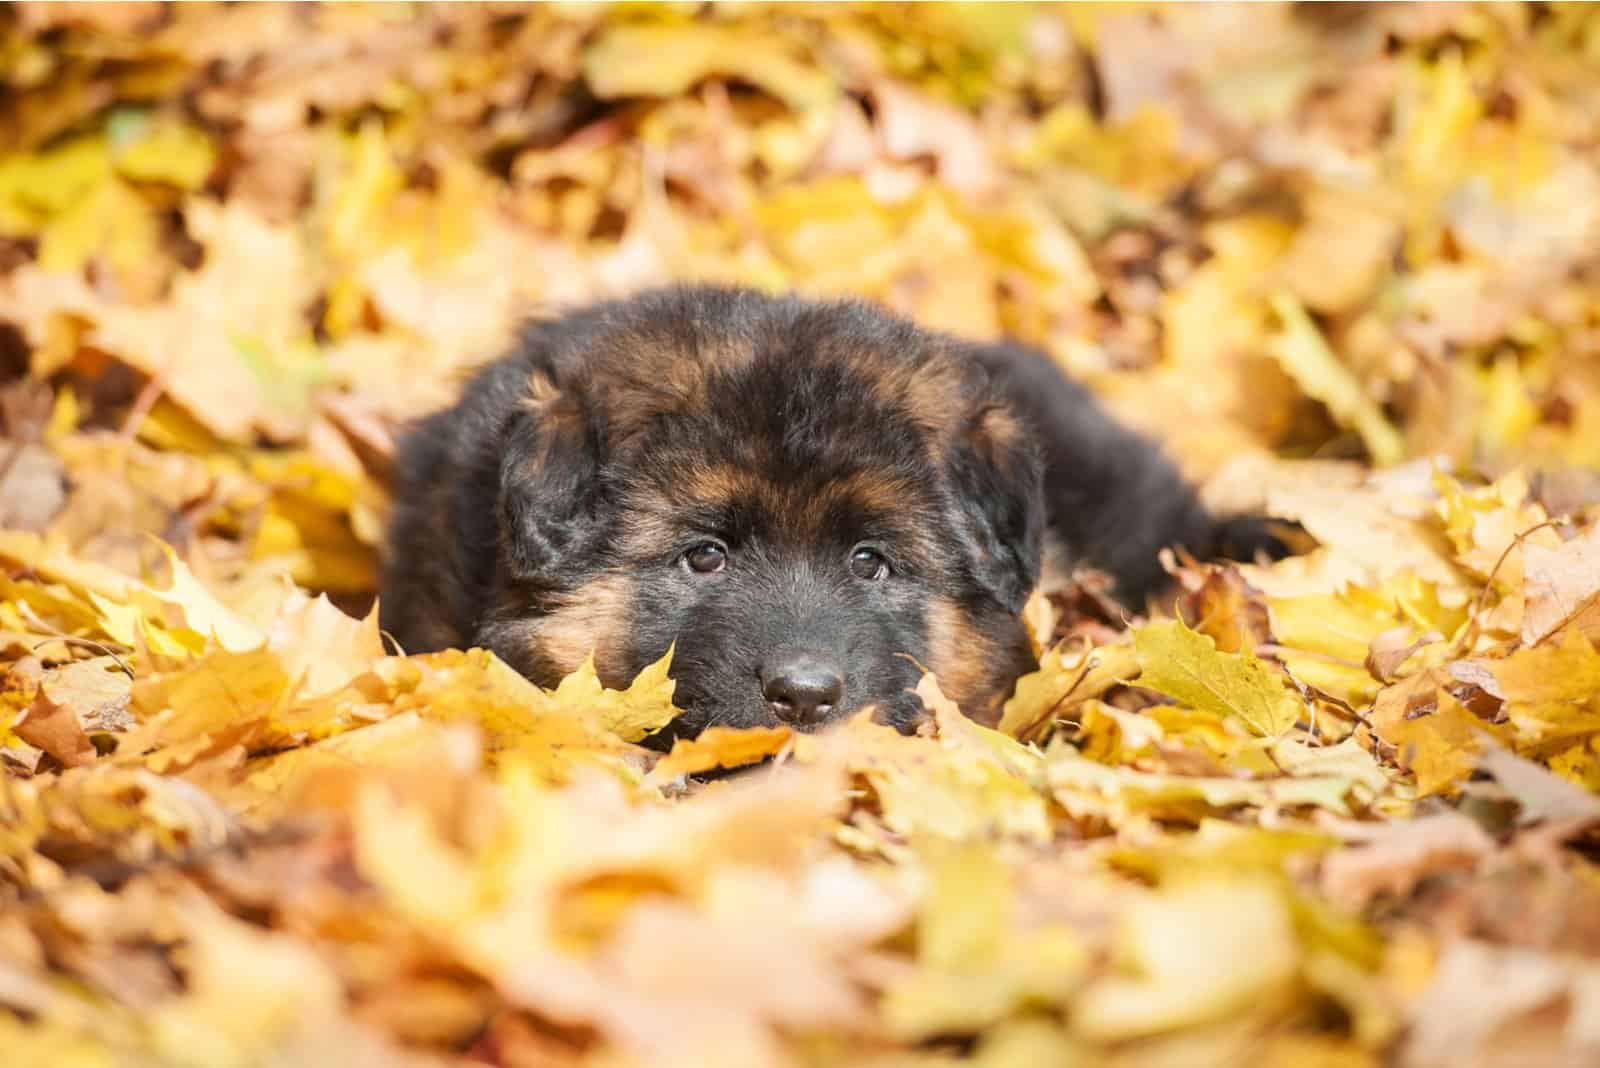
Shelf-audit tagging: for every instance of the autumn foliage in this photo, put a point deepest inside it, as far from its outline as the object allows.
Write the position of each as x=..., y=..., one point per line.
x=1337, y=810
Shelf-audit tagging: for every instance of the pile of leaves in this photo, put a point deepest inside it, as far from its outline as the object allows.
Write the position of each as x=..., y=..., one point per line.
x=1341, y=809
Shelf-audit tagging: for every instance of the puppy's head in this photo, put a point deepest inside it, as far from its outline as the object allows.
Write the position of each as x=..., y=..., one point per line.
x=810, y=502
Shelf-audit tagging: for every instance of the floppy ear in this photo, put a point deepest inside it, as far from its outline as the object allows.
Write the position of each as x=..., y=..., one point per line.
x=998, y=494
x=551, y=493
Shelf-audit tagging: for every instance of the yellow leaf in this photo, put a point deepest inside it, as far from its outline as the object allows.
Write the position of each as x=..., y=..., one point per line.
x=971, y=781
x=1186, y=666
x=34, y=187
x=1062, y=684
x=667, y=59
x=200, y=610
x=518, y=719
x=1175, y=941
x=1327, y=637
x=169, y=152
x=225, y=698
x=1087, y=789
x=1305, y=356
x=1435, y=737
x=642, y=709
x=1217, y=313
x=975, y=968
x=1552, y=691
x=283, y=1004
x=278, y=777
x=113, y=221
x=321, y=646
x=1490, y=526
x=720, y=747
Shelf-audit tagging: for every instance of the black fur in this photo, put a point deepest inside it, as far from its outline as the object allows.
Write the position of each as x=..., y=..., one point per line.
x=552, y=507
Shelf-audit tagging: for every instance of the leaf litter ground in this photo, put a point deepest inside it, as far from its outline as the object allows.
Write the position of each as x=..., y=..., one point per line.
x=1343, y=809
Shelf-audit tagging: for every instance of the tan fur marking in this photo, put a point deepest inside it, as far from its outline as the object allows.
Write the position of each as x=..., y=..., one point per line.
x=541, y=391
x=719, y=484
x=998, y=431
x=958, y=655
x=861, y=491
x=931, y=394
x=652, y=376
x=591, y=618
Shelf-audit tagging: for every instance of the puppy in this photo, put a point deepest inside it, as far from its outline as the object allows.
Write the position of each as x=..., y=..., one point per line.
x=809, y=498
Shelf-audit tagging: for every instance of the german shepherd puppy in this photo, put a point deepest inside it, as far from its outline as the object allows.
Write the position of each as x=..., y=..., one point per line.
x=811, y=499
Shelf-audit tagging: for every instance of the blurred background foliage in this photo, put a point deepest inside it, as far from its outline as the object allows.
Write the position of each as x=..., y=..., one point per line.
x=239, y=244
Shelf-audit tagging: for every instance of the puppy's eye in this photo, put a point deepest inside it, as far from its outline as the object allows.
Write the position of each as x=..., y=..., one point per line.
x=868, y=564
x=706, y=559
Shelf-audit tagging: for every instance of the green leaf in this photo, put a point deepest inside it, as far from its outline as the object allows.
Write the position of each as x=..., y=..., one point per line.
x=1186, y=666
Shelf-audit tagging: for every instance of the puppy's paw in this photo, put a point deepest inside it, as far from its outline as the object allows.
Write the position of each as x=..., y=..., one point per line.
x=1252, y=538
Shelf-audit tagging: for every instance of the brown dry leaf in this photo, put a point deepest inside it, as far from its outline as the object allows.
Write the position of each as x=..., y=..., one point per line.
x=1541, y=796
x=1478, y=991
x=1391, y=649
x=73, y=700
x=1393, y=860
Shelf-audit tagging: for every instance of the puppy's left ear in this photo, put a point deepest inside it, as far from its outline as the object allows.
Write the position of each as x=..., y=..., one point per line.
x=997, y=491
x=551, y=493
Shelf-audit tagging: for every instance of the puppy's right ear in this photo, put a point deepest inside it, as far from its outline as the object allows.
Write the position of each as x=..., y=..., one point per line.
x=551, y=495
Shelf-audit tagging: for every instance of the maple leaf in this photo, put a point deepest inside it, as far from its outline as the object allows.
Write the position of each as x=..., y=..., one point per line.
x=1437, y=738
x=720, y=747
x=1550, y=690
x=643, y=708
x=1186, y=666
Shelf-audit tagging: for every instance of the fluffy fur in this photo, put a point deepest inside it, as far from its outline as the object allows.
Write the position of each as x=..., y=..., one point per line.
x=563, y=505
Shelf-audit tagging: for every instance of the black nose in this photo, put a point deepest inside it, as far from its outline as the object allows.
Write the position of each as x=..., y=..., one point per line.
x=801, y=689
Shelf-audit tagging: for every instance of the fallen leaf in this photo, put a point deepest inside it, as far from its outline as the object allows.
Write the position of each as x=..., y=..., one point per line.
x=1542, y=797
x=642, y=709
x=1394, y=859
x=71, y=701
x=1304, y=354
x=1174, y=940
x=720, y=747
x=1186, y=666
x=1562, y=587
